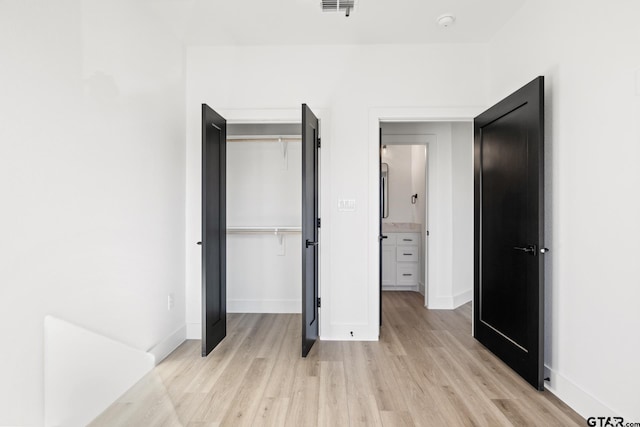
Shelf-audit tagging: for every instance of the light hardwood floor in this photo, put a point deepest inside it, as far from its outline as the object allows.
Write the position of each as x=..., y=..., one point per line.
x=426, y=370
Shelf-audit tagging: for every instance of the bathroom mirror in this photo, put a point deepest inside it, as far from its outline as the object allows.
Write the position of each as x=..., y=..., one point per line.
x=384, y=189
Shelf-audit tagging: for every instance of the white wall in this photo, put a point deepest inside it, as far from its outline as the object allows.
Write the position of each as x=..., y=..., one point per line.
x=419, y=187
x=418, y=182
x=346, y=82
x=264, y=188
x=588, y=53
x=92, y=183
x=462, y=210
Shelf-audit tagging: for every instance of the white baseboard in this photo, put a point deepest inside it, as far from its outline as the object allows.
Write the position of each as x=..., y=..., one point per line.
x=348, y=338
x=167, y=345
x=412, y=288
x=450, y=302
x=421, y=288
x=440, y=303
x=462, y=298
x=194, y=332
x=573, y=395
x=264, y=306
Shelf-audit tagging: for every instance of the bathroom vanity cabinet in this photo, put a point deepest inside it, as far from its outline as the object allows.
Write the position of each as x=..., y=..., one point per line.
x=400, y=261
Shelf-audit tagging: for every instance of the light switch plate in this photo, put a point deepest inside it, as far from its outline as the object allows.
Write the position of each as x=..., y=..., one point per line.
x=346, y=205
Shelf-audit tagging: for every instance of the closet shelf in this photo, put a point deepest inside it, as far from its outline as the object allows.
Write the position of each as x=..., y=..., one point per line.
x=263, y=230
x=264, y=138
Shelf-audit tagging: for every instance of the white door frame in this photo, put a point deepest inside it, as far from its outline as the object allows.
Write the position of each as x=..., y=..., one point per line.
x=412, y=114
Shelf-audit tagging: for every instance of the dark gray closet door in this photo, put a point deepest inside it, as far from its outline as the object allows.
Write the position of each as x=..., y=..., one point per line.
x=310, y=222
x=214, y=229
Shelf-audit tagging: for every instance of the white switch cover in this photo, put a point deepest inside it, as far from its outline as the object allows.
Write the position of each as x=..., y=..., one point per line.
x=346, y=205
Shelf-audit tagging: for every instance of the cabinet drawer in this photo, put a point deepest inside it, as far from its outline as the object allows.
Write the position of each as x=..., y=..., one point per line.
x=408, y=238
x=390, y=240
x=407, y=274
x=407, y=253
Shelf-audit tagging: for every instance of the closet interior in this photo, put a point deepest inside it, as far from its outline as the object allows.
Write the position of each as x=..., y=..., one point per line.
x=264, y=163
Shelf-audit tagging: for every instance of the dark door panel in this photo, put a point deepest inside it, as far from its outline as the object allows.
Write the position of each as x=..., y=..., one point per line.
x=509, y=224
x=380, y=235
x=214, y=228
x=310, y=237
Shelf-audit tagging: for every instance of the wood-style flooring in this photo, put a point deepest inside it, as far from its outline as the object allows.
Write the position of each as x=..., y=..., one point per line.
x=426, y=370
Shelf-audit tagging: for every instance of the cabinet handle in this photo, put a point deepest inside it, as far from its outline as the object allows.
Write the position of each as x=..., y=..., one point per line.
x=407, y=254
x=407, y=240
x=407, y=274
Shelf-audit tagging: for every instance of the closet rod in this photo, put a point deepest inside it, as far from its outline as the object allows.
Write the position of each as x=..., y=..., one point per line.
x=262, y=230
x=264, y=138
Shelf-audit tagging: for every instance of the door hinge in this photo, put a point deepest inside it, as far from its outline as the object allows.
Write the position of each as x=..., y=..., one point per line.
x=318, y=222
x=318, y=142
x=319, y=302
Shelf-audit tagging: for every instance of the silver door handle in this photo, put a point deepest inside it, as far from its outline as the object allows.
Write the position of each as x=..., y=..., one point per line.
x=531, y=249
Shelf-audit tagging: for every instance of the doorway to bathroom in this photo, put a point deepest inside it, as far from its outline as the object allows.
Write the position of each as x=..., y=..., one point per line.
x=404, y=218
x=426, y=211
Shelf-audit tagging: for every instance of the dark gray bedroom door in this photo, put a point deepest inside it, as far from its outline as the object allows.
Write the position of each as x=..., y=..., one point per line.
x=310, y=223
x=214, y=229
x=509, y=230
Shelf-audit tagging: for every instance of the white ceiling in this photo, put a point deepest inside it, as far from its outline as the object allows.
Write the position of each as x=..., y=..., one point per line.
x=286, y=22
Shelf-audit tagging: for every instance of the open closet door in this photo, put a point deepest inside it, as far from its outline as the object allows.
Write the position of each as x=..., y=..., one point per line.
x=214, y=229
x=381, y=236
x=509, y=227
x=310, y=222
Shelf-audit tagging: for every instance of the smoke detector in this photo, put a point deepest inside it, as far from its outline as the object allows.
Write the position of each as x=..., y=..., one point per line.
x=446, y=20
x=338, y=6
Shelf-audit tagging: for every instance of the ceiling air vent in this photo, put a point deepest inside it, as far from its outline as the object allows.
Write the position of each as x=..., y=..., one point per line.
x=338, y=6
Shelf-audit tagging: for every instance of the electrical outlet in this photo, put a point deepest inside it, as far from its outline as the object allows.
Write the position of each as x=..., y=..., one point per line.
x=170, y=302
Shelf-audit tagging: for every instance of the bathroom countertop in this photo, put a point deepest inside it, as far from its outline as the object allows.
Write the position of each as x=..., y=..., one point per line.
x=401, y=227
